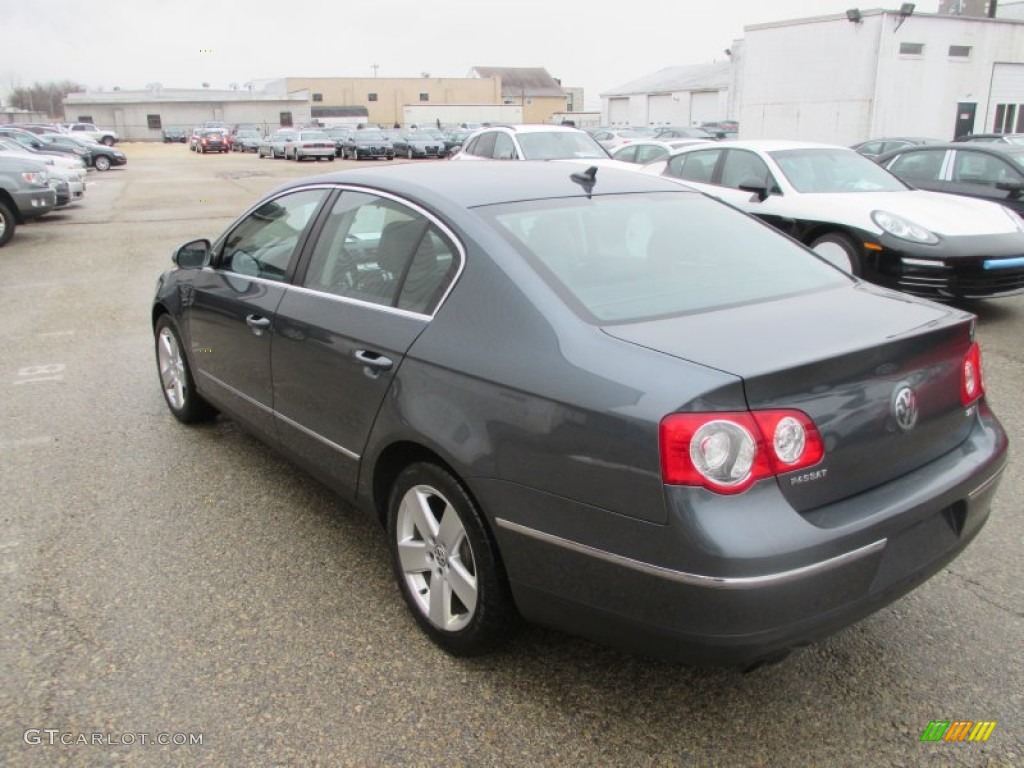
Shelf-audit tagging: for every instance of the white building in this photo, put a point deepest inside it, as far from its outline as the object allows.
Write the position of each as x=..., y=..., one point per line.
x=142, y=115
x=847, y=77
x=671, y=96
x=842, y=78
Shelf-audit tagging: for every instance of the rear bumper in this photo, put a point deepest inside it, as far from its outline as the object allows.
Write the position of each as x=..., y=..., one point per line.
x=730, y=584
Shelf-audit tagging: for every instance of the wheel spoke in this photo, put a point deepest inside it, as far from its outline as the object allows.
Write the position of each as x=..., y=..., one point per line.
x=463, y=583
x=413, y=556
x=440, y=610
x=420, y=515
x=450, y=532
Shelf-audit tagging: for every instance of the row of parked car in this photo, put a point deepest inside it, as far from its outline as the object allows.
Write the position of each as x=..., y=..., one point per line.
x=833, y=199
x=880, y=220
x=43, y=168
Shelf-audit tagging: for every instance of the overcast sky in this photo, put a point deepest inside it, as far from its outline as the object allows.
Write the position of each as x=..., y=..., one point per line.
x=598, y=45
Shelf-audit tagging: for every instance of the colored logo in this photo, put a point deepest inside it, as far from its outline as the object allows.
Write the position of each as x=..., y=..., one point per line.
x=958, y=730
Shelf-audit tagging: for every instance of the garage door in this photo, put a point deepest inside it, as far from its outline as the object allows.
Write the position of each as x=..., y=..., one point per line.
x=704, y=107
x=660, y=109
x=618, y=111
x=1006, y=100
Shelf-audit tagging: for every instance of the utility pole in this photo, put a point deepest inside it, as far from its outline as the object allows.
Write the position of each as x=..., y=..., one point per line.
x=375, y=67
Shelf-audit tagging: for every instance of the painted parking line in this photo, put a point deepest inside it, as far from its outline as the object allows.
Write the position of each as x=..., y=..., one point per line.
x=32, y=374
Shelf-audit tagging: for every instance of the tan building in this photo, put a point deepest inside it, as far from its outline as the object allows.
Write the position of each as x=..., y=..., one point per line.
x=385, y=97
x=540, y=95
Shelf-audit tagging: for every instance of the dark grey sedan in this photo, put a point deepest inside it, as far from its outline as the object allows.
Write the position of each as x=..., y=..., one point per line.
x=594, y=399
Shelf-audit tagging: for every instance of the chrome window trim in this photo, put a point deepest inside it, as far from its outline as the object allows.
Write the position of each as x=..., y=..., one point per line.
x=360, y=302
x=460, y=252
x=696, y=579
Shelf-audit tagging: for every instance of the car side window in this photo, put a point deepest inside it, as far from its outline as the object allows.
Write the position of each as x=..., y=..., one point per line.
x=377, y=250
x=871, y=148
x=742, y=168
x=979, y=168
x=694, y=166
x=925, y=165
x=627, y=154
x=484, y=145
x=504, y=149
x=264, y=243
x=648, y=154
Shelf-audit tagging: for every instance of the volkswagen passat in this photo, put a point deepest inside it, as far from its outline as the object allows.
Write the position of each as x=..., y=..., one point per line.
x=591, y=398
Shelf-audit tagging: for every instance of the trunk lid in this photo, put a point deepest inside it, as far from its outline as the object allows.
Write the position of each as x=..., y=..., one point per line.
x=844, y=357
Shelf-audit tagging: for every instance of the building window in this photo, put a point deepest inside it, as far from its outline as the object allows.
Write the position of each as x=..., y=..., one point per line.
x=85, y=118
x=959, y=51
x=371, y=97
x=153, y=121
x=286, y=119
x=424, y=97
x=1009, y=118
x=318, y=97
x=911, y=49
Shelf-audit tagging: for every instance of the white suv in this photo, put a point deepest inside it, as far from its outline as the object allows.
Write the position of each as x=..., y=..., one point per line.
x=531, y=142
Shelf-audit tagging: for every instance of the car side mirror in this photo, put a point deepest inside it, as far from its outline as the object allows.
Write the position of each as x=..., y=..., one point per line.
x=756, y=187
x=1015, y=188
x=193, y=255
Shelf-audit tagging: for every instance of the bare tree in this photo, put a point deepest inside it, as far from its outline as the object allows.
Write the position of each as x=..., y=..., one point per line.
x=44, y=97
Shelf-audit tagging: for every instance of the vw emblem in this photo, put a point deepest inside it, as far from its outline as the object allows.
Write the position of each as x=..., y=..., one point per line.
x=904, y=408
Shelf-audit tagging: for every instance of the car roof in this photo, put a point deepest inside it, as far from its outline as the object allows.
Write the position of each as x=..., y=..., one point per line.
x=469, y=185
x=533, y=128
x=761, y=145
x=962, y=146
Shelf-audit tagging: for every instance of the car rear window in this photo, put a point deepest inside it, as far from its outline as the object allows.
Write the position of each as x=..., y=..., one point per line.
x=626, y=258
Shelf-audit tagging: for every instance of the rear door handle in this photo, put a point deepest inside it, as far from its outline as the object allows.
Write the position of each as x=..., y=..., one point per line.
x=373, y=360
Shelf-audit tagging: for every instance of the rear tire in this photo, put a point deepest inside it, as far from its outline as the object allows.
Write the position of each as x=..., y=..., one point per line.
x=7, y=225
x=839, y=250
x=446, y=562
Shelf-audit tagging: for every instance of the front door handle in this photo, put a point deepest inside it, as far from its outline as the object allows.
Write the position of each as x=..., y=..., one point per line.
x=373, y=360
x=257, y=323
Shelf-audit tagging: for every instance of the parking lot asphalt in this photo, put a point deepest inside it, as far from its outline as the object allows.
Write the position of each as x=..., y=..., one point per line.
x=172, y=584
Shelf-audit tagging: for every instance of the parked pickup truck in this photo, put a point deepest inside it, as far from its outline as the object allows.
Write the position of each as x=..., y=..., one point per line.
x=102, y=135
x=25, y=193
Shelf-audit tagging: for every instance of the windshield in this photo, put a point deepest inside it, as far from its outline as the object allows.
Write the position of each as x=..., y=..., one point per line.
x=559, y=145
x=313, y=135
x=369, y=136
x=639, y=133
x=624, y=258
x=834, y=170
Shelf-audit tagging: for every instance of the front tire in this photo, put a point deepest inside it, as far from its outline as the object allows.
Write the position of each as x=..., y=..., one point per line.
x=7, y=225
x=102, y=163
x=839, y=250
x=176, y=382
x=408, y=153
x=447, y=563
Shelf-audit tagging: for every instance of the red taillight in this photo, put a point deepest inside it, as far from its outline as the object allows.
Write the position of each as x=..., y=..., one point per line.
x=972, y=384
x=729, y=452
